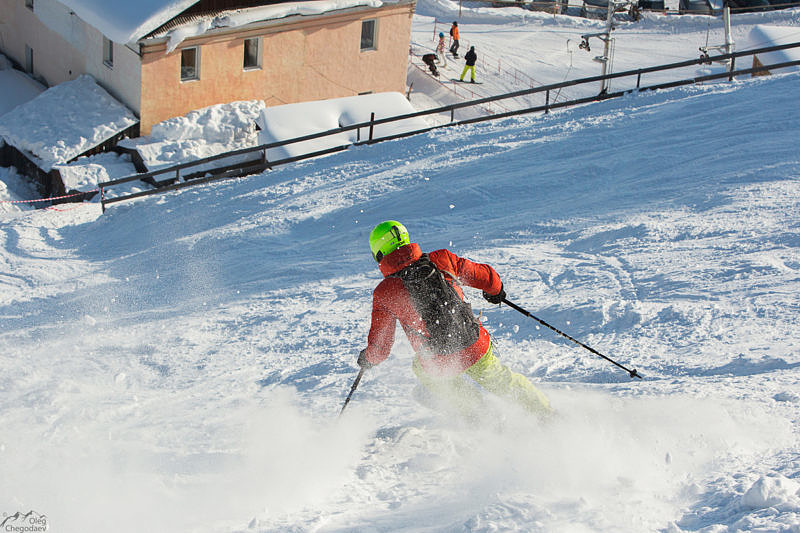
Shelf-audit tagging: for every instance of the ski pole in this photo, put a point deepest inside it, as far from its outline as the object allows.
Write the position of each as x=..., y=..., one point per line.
x=632, y=373
x=352, y=389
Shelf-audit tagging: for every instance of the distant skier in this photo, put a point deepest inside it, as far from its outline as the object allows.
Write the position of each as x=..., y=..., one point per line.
x=440, y=50
x=454, y=36
x=430, y=60
x=470, y=57
x=423, y=292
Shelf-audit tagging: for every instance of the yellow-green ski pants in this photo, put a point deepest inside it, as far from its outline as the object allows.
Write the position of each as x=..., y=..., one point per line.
x=493, y=376
x=471, y=69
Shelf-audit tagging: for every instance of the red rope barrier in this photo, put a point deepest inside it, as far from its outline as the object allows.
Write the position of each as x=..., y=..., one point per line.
x=46, y=199
x=76, y=206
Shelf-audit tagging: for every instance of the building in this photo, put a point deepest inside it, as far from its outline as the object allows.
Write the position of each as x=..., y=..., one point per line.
x=164, y=58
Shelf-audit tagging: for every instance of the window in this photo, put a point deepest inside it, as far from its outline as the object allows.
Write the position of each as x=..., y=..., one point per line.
x=190, y=64
x=29, y=4
x=108, y=52
x=252, y=53
x=28, y=59
x=368, y=34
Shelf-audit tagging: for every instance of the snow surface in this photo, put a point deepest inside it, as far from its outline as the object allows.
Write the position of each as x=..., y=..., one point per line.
x=14, y=191
x=776, y=35
x=180, y=361
x=64, y=121
x=280, y=123
x=15, y=86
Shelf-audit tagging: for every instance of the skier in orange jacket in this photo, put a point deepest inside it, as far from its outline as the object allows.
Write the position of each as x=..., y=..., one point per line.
x=423, y=293
x=454, y=35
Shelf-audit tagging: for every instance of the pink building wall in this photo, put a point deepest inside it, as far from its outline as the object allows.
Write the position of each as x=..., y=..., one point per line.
x=308, y=58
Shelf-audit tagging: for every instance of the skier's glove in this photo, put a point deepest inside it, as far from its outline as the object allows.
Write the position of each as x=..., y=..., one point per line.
x=362, y=360
x=495, y=298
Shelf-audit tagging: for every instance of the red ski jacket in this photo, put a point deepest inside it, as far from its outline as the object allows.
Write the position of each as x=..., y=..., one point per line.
x=392, y=302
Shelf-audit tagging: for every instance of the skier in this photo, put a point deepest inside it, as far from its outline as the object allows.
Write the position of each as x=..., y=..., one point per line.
x=440, y=50
x=422, y=291
x=429, y=59
x=470, y=57
x=454, y=35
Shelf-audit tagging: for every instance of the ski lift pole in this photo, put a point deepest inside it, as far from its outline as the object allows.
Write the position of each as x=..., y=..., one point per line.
x=353, y=389
x=632, y=373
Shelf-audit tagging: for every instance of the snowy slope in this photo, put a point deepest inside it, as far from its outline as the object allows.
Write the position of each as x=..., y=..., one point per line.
x=181, y=360
x=178, y=363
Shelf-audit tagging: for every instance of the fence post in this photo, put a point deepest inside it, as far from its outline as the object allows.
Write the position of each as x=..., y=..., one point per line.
x=733, y=67
x=452, y=114
x=371, y=125
x=638, y=79
x=547, y=102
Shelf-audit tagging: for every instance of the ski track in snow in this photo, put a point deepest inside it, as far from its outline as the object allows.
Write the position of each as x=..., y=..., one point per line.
x=180, y=361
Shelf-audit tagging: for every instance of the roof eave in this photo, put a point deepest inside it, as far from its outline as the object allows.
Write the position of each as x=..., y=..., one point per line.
x=271, y=23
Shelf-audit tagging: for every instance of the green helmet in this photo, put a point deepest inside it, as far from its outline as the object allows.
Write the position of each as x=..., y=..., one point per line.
x=387, y=237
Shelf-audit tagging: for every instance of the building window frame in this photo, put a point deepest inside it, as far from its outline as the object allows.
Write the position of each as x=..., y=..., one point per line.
x=190, y=72
x=254, y=62
x=28, y=59
x=108, y=52
x=369, y=35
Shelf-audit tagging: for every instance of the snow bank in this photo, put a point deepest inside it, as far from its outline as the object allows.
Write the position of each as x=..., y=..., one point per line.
x=16, y=88
x=763, y=35
x=478, y=13
x=223, y=123
x=201, y=133
x=65, y=121
x=14, y=188
x=85, y=173
x=773, y=491
x=280, y=123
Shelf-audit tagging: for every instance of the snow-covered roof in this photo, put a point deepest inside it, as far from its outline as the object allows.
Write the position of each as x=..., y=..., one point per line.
x=124, y=21
x=763, y=35
x=279, y=123
x=242, y=17
x=65, y=121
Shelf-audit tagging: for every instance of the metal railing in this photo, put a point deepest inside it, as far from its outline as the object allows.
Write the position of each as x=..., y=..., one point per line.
x=252, y=167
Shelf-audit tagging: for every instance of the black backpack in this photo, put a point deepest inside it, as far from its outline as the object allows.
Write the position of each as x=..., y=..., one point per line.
x=449, y=320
